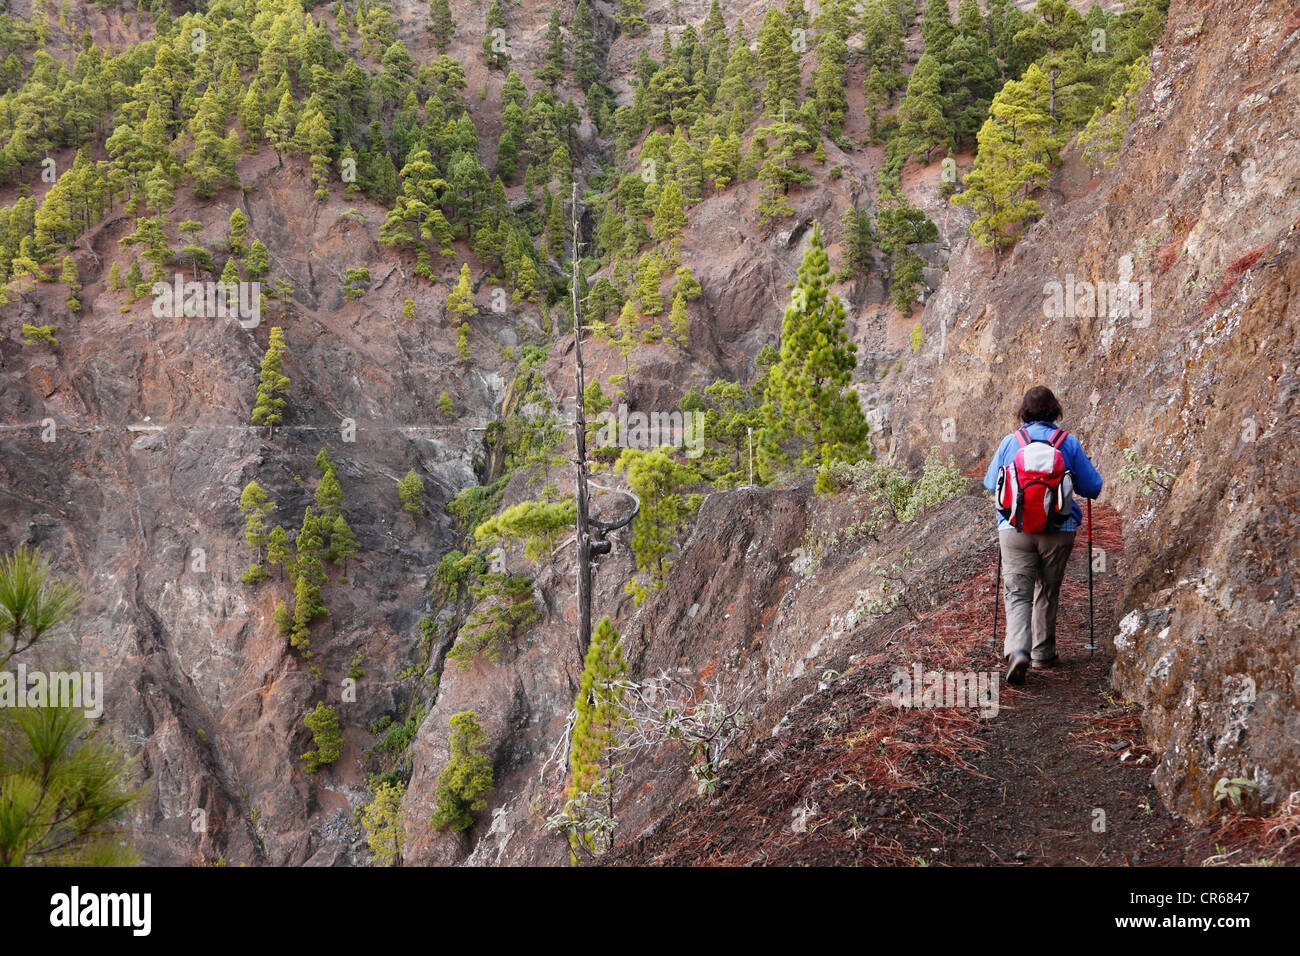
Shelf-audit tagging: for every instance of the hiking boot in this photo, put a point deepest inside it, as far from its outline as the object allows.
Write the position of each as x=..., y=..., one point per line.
x=1052, y=661
x=1017, y=664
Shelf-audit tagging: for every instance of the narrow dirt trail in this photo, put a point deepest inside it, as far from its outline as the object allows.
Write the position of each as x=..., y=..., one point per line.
x=1059, y=776
x=1063, y=778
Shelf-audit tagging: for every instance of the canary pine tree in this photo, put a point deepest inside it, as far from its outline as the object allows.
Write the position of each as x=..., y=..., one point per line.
x=657, y=480
x=808, y=397
x=599, y=715
x=381, y=821
x=441, y=24
x=66, y=791
x=411, y=491
x=1015, y=146
x=460, y=301
x=997, y=189
x=778, y=62
x=465, y=782
x=552, y=70
x=273, y=385
x=256, y=507
x=922, y=116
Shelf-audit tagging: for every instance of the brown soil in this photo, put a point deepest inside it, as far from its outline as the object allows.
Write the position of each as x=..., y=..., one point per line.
x=858, y=781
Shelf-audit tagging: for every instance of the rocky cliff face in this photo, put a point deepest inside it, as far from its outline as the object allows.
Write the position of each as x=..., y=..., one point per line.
x=1205, y=200
x=125, y=453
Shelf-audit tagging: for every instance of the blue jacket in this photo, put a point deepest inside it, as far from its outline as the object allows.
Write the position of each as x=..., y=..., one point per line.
x=1087, y=482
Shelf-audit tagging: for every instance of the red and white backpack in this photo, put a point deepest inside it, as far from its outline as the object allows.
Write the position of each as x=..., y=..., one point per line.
x=1035, y=492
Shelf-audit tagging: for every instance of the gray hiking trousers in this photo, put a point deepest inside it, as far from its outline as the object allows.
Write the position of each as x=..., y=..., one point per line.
x=1032, y=568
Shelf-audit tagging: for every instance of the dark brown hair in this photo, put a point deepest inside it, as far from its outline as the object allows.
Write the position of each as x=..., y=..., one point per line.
x=1040, y=405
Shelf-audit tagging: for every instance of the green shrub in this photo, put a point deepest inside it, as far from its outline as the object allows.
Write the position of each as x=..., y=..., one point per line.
x=381, y=819
x=327, y=735
x=40, y=333
x=465, y=782
x=455, y=572
x=474, y=505
x=506, y=605
x=892, y=485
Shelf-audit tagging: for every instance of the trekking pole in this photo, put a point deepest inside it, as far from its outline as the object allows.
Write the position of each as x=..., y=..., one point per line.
x=997, y=581
x=1092, y=641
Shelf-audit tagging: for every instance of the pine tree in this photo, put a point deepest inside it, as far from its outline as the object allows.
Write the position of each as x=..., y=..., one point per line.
x=922, y=116
x=669, y=217
x=230, y=280
x=648, y=283
x=343, y=542
x=460, y=301
x=626, y=344
x=936, y=27
x=464, y=783
x=329, y=495
x=857, y=241
x=902, y=226
x=252, y=113
x=552, y=70
x=278, y=552
x=310, y=575
x=686, y=167
x=238, y=233
x=381, y=820
x=273, y=385
x=722, y=161
x=257, y=264
x=630, y=17
x=68, y=276
x=67, y=792
x=442, y=24
x=679, y=321
x=998, y=187
x=411, y=490
x=808, y=396
x=778, y=62
x=327, y=735
x=313, y=137
x=970, y=79
x=877, y=98
x=462, y=343
x=525, y=281
x=828, y=83
x=584, y=47
x=495, y=43
x=279, y=127
x=882, y=34
x=1059, y=29
x=599, y=717
x=255, y=506
x=134, y=279
x=657, y=480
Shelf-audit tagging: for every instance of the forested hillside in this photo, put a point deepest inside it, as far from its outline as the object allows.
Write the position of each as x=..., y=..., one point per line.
x=287, y=379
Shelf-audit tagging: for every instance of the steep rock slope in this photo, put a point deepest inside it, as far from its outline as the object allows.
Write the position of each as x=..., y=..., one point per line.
x=138, y=491
x=1205, y=198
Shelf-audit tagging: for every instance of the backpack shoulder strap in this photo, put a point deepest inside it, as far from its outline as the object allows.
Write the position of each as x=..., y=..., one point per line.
x=1022, y=436
x=1059, y=438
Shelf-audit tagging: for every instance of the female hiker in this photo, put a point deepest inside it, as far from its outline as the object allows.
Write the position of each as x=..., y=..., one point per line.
x=1036, y=472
